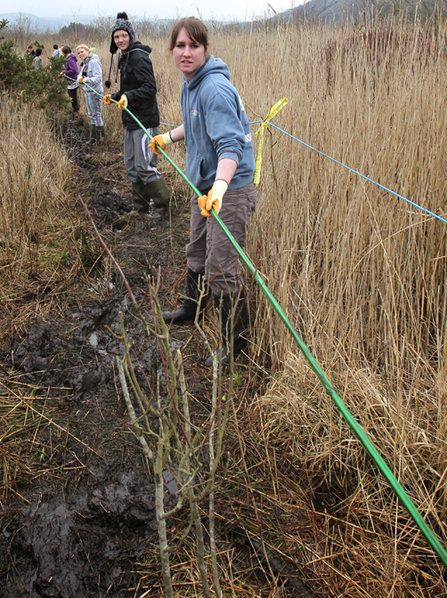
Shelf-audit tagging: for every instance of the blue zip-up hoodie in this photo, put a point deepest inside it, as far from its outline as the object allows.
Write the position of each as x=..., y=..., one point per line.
x=216, y=126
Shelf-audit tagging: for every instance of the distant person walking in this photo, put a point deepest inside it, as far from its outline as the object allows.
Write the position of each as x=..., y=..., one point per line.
x=56, y=51
x=91, y=74
x=37, y=60
x=29, y=54
x=71, y=74
x=138, y=93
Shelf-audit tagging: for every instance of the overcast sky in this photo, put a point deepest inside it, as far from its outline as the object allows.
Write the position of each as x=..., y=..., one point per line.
x=240, y=10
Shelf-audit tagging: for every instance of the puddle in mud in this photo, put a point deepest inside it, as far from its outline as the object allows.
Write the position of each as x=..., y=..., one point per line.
x=170, y=482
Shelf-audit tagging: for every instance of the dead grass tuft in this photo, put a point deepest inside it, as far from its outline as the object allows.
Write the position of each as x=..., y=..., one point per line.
x=339, y=520
x=28, y=418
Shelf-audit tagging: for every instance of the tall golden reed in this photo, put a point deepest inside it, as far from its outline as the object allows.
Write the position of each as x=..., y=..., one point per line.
x=362, y=276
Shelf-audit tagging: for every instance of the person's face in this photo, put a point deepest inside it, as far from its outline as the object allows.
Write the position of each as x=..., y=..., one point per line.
x=188, y=54
x=82, y=53
x=122, y=39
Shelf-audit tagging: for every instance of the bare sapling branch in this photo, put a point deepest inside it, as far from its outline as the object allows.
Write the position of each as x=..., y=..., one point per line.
x=161, y=420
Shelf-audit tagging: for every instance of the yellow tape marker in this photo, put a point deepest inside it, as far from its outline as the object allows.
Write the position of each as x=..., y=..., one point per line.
x=273, y=111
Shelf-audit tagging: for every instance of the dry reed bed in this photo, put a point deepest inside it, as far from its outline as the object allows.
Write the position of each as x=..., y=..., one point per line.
x=347, y=530
x=44, y=249
x=361, y=274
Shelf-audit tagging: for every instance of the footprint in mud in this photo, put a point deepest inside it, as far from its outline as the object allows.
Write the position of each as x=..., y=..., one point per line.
x=87, y=546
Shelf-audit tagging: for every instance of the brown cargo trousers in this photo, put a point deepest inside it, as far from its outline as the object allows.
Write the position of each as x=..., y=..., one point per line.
x=209, y=251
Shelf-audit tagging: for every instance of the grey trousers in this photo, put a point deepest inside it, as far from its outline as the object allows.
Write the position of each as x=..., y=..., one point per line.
x=94, y=103
x=209, y=251
x=140, y=162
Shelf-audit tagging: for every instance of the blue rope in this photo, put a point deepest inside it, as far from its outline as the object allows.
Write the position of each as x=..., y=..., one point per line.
x=415, y=205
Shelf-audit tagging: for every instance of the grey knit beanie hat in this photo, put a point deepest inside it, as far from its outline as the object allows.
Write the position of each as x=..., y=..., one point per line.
x=122, y=22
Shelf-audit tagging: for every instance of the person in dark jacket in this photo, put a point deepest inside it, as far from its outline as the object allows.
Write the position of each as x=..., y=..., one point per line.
x=71, y=74
x=138, y=93
x=29, y=54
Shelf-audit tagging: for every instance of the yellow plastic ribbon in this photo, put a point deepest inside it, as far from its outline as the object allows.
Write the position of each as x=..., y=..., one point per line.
x=273, y=112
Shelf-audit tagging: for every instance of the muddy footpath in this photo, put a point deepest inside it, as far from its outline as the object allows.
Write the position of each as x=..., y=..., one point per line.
x=84, y=525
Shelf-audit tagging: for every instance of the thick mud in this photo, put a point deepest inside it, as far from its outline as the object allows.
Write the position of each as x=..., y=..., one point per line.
x=82, y=528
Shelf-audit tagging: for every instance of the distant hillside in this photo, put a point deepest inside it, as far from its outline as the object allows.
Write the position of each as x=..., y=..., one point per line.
x=46, y=24
x=319, y=10
x=353, y=10
x=327, y=10
x=324, y=9
x=314, y=9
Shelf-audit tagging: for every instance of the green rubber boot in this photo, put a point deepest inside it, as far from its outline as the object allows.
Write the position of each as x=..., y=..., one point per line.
x=99, y=133
x=160, y=195
x=141, y=197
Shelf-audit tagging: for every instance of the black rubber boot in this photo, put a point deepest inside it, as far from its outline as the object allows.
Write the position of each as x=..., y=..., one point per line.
x=227, y=305
x=188, y=310
x=99, y=133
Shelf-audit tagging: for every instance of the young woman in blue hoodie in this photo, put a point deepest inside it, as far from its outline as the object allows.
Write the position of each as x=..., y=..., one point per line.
x=220, y=163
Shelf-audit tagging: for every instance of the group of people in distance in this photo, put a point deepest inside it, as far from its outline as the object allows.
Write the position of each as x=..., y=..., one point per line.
x=34, y=57
x=219, y=161
x=90, y=74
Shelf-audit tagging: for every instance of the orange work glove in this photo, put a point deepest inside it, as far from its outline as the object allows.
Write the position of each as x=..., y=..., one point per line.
x=122, y=103
x=106, y=99
x=162, y=140
x=213, y=199
x=81, y=79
